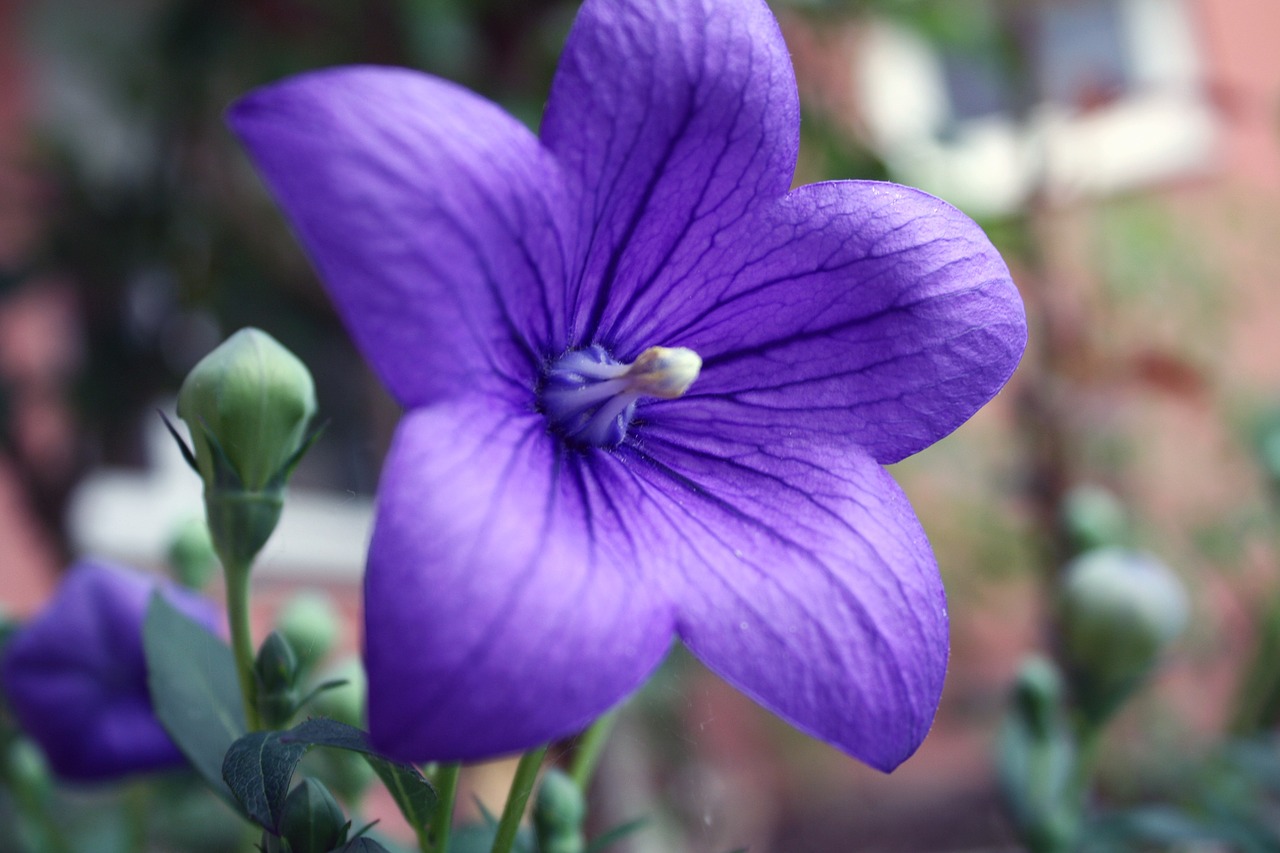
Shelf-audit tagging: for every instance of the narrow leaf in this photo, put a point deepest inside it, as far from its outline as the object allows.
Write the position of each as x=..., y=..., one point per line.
x=195, y=693
x=412, y=792
x=616, y=834
x=364, y=844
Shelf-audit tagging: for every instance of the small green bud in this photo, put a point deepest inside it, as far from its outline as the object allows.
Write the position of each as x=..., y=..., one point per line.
x=311, y=623
x=346, y=703
x=558, y=813
x=25, y=767
x=256, y=399
x=1093, y=517
x=1119, y=611
x=312, y=821
x=248, y=405
x=1036, y=760
x=276, y=670
x=192, y=558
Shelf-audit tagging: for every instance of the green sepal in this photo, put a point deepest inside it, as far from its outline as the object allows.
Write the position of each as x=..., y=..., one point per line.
x=195, y=691
x=282, y=476
x=259, y=767
x=187, y=453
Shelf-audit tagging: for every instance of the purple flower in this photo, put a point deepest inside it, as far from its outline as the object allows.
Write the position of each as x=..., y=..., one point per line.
x=76, y=678
x=554, y=511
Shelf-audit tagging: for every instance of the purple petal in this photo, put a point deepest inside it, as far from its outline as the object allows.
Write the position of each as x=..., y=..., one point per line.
x=76, y=676
x=433, y=217
x=860, y=312
x=676, y=117
x=505, y=604
x=806, y=581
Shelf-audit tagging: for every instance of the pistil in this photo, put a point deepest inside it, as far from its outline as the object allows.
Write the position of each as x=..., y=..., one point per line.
x=590, y=398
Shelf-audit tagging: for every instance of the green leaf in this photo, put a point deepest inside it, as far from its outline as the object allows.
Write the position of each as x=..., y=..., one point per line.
x=259, y=767
x=616, y=834
x=413, y=794
x=195, y=692
x=364, y=844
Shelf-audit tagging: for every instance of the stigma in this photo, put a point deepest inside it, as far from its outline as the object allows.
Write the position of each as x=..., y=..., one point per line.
x=590, y=398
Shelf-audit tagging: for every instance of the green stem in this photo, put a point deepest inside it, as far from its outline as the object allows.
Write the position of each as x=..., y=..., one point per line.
x=590, y=746
x=446, y=779
x=517, y=798
x=242, y=639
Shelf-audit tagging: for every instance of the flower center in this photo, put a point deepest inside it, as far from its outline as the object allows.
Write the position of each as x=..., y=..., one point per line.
x=590, y=398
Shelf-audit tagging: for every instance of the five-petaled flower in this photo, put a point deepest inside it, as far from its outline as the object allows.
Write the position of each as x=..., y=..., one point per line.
x=76, y=676
x=559, y=503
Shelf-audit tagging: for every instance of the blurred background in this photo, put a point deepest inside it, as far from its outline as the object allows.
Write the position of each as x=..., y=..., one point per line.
x=1123, y=154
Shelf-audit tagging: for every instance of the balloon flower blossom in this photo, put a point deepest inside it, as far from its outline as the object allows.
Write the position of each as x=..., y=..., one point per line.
x=649, y=387
x=76, y=676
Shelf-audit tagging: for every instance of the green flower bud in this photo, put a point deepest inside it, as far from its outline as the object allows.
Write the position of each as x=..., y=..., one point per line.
x=248, y=404
x=1093, y=517
x=312, y=821
x=558, y=813
x=1036, y=760
x=1119, y=611
x=311, y=623
x=192, y=558
x=255, y=398
x=346, y=703
x=276, y=670
x=25, y=768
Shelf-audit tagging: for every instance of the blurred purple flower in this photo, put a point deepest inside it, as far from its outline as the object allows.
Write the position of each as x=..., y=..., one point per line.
x=76, y=678
x=544, y=528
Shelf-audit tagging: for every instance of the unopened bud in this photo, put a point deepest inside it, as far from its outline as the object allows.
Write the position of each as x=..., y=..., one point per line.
x=1093, y=517
x=558, y=812
x=1120, y=610
x=313, y=821
x=248, y=405
x=1036, y=760
x=276, y=670
x=311, y=623
x=344, y=703
x=25, y=768
x=192, y=558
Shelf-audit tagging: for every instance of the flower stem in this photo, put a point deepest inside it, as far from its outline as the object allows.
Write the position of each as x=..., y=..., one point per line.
x=242, y=638
x=446, y=779
x=517, y=798
x=590, y=746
